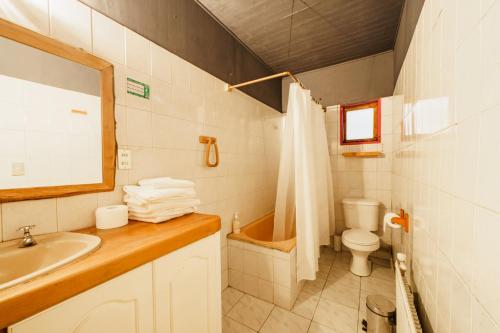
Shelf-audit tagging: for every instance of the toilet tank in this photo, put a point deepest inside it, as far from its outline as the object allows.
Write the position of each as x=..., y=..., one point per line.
x=361, y=213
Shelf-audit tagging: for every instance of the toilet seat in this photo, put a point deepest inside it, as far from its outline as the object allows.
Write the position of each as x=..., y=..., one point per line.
x=360, y=237
x=361, y=240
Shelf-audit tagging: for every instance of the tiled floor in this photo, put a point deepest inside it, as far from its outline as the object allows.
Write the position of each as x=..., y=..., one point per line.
x=333, y=303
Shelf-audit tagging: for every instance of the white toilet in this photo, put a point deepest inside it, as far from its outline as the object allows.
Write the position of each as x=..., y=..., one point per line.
x=361, y=217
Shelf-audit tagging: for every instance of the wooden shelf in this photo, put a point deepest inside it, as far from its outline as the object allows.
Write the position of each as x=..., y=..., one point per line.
x=363, y=154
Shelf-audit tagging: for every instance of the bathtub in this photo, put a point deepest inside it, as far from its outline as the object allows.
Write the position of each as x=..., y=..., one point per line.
x=262, y=267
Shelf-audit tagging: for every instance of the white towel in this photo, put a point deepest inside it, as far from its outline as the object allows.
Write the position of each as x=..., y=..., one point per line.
x=133, y=200
x=160, y=218
x=165, y=182
x=146, y=194
x=164, y=207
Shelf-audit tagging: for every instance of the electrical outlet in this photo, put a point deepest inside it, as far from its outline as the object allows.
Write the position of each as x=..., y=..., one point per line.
x=124, y=159
x=18, y=169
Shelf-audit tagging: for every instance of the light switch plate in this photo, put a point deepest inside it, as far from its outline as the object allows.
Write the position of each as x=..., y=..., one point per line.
x=17, y=169
x=124, y=159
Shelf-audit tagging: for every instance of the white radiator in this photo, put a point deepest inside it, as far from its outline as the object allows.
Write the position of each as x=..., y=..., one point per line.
x=406, y=315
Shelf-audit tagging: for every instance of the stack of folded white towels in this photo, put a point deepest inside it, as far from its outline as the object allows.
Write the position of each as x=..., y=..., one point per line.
x=160, y=199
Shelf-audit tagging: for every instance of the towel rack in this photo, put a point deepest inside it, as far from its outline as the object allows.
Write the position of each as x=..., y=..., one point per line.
x=209, y=141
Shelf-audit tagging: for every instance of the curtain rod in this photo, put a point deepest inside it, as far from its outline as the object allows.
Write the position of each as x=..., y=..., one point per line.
x=270, y=77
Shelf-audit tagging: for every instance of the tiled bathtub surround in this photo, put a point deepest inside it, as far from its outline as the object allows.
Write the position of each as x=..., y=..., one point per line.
x=362, y=177
x=268, y=274
x=446, y=163
x=162, y=132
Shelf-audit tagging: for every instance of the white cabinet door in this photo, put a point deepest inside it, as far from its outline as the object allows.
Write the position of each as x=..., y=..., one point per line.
x=187, y=289
x=121, y=305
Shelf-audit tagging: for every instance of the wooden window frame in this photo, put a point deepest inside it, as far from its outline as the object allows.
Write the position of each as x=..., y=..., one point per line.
x=33, y=39
x=377, y=121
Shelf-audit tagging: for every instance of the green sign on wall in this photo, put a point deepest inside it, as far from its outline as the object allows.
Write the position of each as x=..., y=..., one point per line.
x=138, y=88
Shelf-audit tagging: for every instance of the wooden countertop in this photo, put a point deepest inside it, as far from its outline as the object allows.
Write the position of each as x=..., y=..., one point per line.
x=121, y=250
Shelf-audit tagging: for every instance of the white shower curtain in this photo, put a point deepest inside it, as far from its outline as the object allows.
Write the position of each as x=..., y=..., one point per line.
x=304, y=201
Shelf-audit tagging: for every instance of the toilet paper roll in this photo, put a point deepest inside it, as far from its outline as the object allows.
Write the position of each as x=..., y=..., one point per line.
x=109, y=217
x=388, y=222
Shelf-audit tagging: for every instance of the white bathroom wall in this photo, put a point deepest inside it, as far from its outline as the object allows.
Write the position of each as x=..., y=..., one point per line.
x=362, y=177
x=162, y=132
x=446, y=164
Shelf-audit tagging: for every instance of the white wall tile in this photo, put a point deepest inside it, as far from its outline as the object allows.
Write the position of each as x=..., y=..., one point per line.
x=120, y=80
x=114, y=197
x=236, y=279
x=76, y=212
x=481, y=321
x=468, y=76
x=462, y=226
x=466, y=158
x=236, y=257
x=265, y=267
x=486, y=248
x=282, y=296
x=108, y=38
x=70, y=22
x=138, y=55
x=468, y=15
x=488, y=186
x=139, y=128
x=32, y=14
x=266, y=291
x=251, y=285
x=161, y=63
x=490, y=52
x=41, y=213
x=460, y=308
x=282, y=272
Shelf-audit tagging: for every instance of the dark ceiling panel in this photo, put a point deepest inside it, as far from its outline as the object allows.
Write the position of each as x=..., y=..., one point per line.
x=324, y=32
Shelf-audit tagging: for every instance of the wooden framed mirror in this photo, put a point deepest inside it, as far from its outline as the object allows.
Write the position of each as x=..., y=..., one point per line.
x=57, y=126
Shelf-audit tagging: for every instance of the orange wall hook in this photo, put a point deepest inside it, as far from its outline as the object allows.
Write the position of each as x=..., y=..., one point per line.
x=402, y=220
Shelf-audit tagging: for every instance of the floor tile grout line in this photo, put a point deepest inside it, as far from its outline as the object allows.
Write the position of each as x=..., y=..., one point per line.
x=243, y=294
x=243, y=324
x=239, y=299
x=321, y=293
x=268, y=315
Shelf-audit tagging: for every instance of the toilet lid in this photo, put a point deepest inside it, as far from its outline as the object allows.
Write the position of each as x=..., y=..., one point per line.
x=360, y=237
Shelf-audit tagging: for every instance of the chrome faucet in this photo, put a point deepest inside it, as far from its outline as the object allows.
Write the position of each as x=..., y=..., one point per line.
x=28, y=239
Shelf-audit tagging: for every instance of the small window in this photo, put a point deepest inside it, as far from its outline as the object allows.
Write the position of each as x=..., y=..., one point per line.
x=360, y=123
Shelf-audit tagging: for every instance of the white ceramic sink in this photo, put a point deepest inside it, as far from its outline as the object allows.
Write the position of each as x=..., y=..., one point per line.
x=53, y=250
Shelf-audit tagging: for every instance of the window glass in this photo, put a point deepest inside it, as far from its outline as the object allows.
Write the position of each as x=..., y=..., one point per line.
x=360, y=123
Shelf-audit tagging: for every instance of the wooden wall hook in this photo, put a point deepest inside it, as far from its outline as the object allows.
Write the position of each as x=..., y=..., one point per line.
x=209, y=141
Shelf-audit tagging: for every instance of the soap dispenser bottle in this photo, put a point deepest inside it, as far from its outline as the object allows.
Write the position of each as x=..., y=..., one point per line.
x=236, y=223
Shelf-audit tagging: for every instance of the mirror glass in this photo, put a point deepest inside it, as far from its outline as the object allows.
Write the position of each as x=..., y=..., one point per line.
x=360, y=124
x=50, y=119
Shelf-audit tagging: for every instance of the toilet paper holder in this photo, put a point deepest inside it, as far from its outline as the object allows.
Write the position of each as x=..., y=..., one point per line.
x=402, y=220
